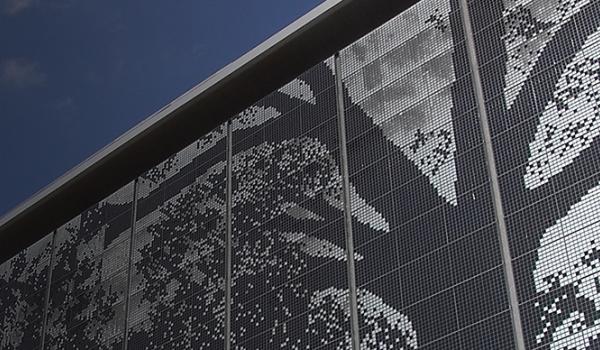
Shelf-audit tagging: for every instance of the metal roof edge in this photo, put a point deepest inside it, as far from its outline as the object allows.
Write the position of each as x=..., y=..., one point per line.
x=321, y=32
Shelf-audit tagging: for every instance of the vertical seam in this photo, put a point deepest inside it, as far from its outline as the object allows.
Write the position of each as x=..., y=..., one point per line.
x=347, y=205
x=130, y=262
x=48, y=286
x=228, y=232
x=493, y=176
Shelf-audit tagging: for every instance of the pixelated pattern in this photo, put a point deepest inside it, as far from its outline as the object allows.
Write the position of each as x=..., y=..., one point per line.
x=86, y=308
x=577, y=235
x=289, y=280
x=401, y=76
x=571, y=120
x=428, y=259
x=23, y=286
x=529, y=26
x=539, y=67
x=428, y=268
x=177, y=289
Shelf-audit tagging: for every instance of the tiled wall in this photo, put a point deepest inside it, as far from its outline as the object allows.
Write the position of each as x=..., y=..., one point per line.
x=539, y=63
x=146, y=267
x=431, y=271
x=289, y=283
x=23, y=282
x=177, y=290
x=86, y=306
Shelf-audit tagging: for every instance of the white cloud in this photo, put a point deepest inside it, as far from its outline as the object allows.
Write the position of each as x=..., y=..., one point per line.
x=13, y=7
x=21, y=73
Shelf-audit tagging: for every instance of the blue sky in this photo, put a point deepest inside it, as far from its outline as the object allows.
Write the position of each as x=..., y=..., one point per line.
x=74, y=75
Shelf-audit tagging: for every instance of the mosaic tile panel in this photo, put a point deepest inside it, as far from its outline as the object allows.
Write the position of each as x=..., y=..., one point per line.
x=86, y=308
x=178, y=275
x=289, y=286
x=539, y=61
x=23, y=286
x=428, y=263
x=429, y=269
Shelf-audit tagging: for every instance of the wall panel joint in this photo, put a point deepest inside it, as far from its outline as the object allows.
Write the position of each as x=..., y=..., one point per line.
x=48, y=285
x=228, y=219
x=347, y=205
x=130, y=260
x=493, y=176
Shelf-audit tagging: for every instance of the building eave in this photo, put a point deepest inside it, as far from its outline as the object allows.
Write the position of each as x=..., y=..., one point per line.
x=320, y=33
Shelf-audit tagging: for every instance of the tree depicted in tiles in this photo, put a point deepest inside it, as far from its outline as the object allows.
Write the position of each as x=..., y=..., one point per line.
x=289, y=285
x=542, y=63
x=419, y=200
x=177, y=293
x=416, y=157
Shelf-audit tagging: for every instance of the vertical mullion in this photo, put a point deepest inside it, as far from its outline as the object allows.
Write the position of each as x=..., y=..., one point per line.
x=130, y=266
x=347, y=208
x=493, y=177
x=48, y=285
x=227, y=328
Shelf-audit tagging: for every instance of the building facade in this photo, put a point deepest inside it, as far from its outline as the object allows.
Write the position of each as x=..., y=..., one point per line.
x=433, y=185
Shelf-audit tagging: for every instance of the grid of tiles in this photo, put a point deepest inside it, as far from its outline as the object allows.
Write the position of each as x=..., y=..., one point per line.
x=428, y=264
x=289, y=281
x=23, y=285
x=86, y=308
x=539, y=62
x=177, y=290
